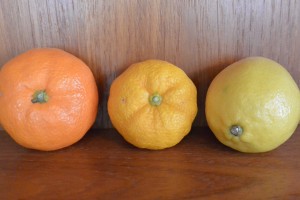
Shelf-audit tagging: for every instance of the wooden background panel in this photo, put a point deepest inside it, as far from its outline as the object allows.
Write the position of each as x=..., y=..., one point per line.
x=201, y=37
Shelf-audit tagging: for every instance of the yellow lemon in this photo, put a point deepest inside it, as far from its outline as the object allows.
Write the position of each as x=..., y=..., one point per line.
x=253, y=105
x=153, y=104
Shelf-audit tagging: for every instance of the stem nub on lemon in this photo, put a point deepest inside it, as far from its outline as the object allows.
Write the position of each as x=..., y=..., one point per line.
x=153, y=104
x=253, y=105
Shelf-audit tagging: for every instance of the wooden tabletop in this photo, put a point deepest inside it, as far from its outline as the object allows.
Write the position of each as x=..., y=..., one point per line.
x=103, y=166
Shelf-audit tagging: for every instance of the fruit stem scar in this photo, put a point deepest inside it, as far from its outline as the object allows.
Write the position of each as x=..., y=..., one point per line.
x=236, y=130
x=40, y=96
x=155, y=99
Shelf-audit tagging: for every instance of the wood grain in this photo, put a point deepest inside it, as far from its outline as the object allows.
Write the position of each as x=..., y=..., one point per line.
x=104, y=166
x=202, y=37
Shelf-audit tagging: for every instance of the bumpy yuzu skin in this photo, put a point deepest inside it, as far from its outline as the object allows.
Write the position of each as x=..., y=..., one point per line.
x=153, y=124
x=259, y=96
x=71, y=104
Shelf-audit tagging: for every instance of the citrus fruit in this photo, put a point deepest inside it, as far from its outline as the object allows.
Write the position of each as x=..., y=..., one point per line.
x=48, y=99
x=153, y=104
x=253, y=105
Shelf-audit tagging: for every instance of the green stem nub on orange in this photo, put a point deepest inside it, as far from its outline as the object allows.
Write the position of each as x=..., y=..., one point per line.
x=155, y=99
x=40, y=96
